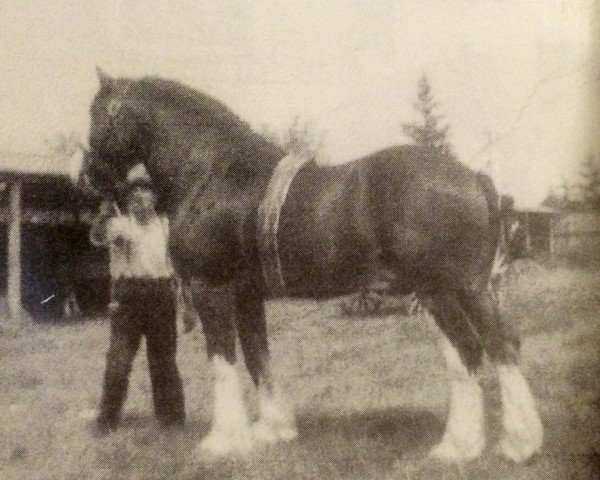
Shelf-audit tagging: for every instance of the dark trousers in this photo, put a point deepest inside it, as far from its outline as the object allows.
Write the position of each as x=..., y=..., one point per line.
x=147, y=307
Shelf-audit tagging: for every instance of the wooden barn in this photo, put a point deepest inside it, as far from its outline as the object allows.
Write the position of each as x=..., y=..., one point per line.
x=537, y=226
x=548, y=233
x=47, y=265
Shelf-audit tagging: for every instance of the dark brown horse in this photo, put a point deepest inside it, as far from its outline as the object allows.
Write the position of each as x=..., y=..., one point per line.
x=432, y=224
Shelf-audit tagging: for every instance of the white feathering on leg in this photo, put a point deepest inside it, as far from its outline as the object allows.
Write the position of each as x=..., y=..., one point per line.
x=276, y=422
x=230, y=431
x=523, y=427
x=464, y=435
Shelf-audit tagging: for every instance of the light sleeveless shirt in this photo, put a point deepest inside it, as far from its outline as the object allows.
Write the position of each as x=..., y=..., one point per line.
x=144, y=251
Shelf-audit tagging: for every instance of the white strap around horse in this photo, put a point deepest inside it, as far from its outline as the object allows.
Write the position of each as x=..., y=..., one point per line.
x=268, y=220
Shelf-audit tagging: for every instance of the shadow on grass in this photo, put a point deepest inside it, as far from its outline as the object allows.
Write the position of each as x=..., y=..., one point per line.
x=404, y=429
x=360, y=444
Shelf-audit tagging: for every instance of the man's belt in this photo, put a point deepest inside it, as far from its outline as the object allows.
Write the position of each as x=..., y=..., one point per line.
x=268, y=221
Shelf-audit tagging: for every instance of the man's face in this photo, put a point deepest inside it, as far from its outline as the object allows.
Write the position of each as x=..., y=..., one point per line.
x=141, y=202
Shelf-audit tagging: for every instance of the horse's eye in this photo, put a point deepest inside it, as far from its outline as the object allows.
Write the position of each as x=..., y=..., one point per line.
x=113, y=107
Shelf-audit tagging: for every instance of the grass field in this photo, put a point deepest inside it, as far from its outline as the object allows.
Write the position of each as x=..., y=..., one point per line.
x=370, y=395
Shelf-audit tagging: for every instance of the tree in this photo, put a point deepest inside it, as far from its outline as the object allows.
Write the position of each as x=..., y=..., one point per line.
x=580, y=194
x=590, y=182
x=64, y=145
x=429, y=134
x=554, y=200
x=299, y=138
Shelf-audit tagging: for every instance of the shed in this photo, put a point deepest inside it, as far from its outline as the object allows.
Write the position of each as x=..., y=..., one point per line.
x=44, y=221
x=538, y=225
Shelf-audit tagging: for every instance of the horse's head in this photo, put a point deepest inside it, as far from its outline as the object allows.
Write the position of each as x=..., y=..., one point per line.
x=92, y=177
x=120, y=134
x=178, y=133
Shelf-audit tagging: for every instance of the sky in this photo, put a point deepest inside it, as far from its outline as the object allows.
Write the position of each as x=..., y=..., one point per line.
x=514, y=79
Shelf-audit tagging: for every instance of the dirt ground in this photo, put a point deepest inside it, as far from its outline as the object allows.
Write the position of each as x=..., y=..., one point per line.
x=370, y=395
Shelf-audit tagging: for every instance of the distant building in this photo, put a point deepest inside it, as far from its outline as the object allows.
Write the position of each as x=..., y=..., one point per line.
x=560, y=234
x=59, y=270
x=537, y=231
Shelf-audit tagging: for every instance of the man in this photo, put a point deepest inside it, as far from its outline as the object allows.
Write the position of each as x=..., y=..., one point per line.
x=145, y=303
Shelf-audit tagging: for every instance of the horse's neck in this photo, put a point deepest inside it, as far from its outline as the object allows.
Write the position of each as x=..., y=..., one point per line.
x=167, y=179
x=181, y=162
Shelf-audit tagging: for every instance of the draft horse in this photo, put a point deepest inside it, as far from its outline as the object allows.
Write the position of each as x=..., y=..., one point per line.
x=432, y=224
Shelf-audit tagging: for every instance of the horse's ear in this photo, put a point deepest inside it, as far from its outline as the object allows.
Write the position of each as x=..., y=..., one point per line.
x=106, y=80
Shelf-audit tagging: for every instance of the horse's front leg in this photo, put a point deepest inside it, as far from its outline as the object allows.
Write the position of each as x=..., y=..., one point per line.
x=230, y=430
x=276, y=420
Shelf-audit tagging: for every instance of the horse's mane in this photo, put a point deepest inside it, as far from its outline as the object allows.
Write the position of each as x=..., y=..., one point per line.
x=197, y=108
x=187, y=100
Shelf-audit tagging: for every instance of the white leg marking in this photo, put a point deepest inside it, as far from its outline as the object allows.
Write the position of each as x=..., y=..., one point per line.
x=230, y=430
x=523, y=428
x=276, y=421
x=464, y=436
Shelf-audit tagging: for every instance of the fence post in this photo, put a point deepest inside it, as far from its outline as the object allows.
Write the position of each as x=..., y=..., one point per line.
x=14, y=251
x=527, y=234
x=552, y=246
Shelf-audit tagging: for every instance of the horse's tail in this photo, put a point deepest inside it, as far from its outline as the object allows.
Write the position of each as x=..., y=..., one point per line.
x=495, y=258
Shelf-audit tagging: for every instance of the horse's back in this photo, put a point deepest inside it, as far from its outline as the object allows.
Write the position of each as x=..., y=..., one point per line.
x=397, y=205
x=439, y=196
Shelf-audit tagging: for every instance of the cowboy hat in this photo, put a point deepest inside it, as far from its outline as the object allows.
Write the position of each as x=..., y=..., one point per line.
x=138, y=177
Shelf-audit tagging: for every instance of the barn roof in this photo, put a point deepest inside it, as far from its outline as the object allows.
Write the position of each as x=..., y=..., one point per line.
x=18, y=164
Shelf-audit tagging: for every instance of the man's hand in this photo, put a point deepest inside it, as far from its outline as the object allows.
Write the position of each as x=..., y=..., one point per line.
x=98, y=229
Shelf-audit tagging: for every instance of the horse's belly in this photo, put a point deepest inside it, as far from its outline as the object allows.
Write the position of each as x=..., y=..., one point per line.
x=321, y=265
x=319, y=285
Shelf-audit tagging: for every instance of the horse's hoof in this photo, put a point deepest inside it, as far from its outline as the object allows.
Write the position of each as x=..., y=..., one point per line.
x=264, y=432
x=269, y=433
x=519, y=449
x=219, y=444
x=449, y=451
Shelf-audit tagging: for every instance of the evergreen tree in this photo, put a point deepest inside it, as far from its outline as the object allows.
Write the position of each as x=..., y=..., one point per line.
x=429, y=134
x=590, y=186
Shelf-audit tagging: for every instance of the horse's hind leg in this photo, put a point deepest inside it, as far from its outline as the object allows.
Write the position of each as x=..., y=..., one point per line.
x=522, y=424
x=230, y=430
x=276, y=421
x=464, y=434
